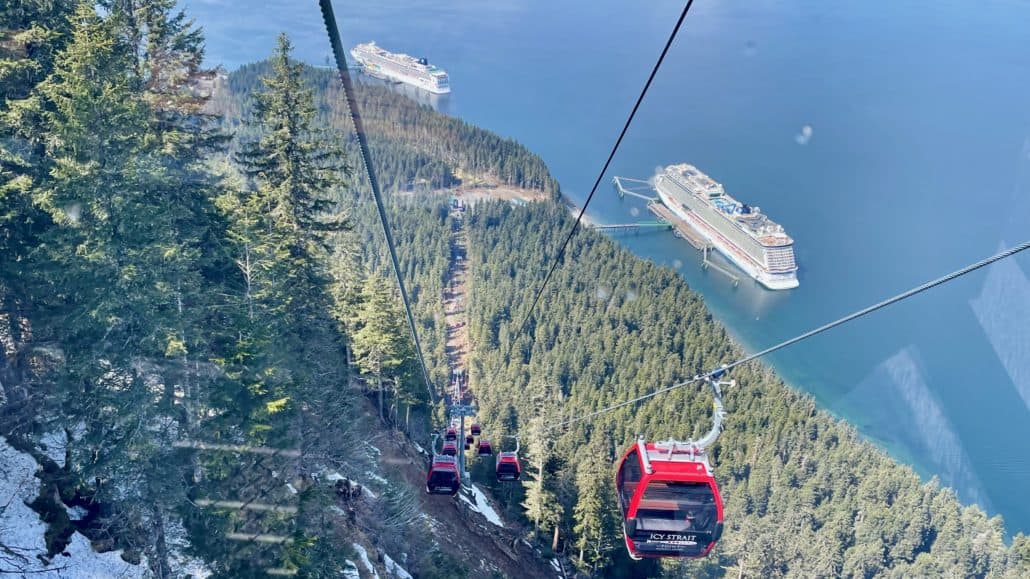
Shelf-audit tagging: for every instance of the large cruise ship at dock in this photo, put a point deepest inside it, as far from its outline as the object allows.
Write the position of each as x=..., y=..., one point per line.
x=401, y=67
x=748, y=238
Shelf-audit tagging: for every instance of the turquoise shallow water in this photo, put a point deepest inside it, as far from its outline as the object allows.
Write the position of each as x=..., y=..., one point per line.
x=918, y=162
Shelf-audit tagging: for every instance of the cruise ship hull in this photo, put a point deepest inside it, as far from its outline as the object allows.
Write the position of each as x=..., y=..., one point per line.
x=770, y=280
x=381, y=72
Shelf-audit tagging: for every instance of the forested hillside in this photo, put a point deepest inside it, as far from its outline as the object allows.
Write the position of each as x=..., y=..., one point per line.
x=200, y=338
x=805, y=497
x=197, y=325
x=187, y=325
x=413, y=146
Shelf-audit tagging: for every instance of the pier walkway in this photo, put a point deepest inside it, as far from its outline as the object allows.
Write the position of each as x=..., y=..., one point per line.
x=633, y=227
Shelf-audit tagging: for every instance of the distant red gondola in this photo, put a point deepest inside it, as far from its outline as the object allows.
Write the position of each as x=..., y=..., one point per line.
x=443, y=478
x=451, y=434
x=508, y=468
x=469, y=440
x=476, y=430
x=669, y=500
x=484, y=448
x=450, y=448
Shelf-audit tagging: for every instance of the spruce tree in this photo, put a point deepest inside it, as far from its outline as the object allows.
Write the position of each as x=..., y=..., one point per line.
x=377, y=339
x=293, y=164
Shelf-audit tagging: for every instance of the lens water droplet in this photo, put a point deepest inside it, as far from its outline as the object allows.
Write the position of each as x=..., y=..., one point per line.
x=804, y=136
x=74, y=212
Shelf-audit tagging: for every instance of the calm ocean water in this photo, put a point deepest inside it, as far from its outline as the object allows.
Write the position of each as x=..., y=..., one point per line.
x=917, y=162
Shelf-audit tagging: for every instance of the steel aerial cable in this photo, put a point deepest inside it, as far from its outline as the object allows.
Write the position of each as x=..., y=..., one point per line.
x=611, y=155
x=359, y=129
x=840, y=321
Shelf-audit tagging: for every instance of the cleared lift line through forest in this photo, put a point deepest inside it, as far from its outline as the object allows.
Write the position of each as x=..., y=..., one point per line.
x=457, y=345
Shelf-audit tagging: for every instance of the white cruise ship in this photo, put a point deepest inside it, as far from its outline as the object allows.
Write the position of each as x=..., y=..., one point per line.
x=748, y=238
x=384, y=64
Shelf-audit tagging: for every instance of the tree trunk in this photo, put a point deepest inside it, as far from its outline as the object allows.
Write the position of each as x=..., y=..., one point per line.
x=554, y=541
x=407, y=418
x=379, y=380
x=540, y=495
x=160, y=545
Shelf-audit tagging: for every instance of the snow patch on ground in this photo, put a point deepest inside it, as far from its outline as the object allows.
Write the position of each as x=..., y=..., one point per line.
x=482, y=505
x=293, y=489
x=419, y=448
x=22, y=530
x=376, y=477
x=351, y=572
x=393, y=568
x=433, y=523
x=76, y=513
x=556, y=564
x=53, y=444
x=182, y=564
x=365, y=560
x=373, y=451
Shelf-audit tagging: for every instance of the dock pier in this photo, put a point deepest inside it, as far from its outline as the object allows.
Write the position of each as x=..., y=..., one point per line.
x=707, y=263
x=682, y=229
x=693, y=238
x=633, y=227
x=667, y=220
x=632, y=191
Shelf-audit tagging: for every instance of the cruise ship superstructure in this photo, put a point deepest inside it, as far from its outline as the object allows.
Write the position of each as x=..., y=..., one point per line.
x=748, y=238
x=401, y=67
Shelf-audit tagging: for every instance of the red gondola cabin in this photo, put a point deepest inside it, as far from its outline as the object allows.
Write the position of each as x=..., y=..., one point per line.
x=484, y=448
x=508, y=468
x=469, y=440
x=450, y=448
x=451, y=434
x=443, y=478
x=669, y=500
x=476, y=430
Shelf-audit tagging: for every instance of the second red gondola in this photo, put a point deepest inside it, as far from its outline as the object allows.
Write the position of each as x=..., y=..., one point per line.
x=508, y=467
x=443, y=477
x=484, y=448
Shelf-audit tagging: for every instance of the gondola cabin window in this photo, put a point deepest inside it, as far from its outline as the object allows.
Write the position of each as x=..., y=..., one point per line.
x=629, y=477
x=677, y=507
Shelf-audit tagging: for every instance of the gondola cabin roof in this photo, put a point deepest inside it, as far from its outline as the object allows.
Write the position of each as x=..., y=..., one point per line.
x=445, y=462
